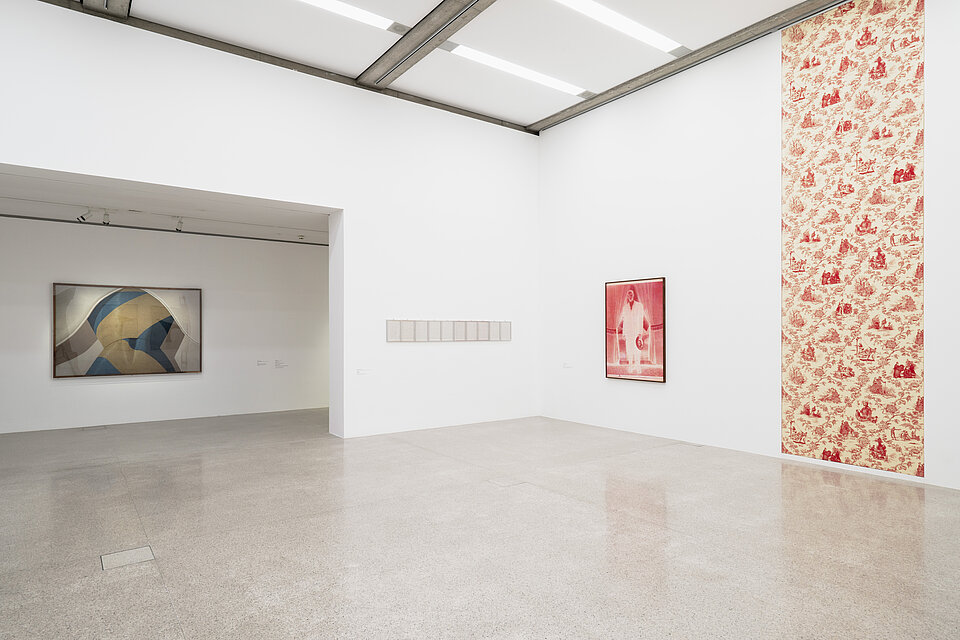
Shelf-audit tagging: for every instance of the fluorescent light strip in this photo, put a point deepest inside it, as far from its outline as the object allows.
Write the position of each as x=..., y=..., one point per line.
x=515, y=69
x=621, y=23
x=352, y=12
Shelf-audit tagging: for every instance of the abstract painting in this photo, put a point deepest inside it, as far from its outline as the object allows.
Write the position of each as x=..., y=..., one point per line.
x=111, y=331
x=635, y=342
x=852, y=234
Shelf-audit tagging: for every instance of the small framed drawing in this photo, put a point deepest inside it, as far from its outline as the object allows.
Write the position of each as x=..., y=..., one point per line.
x=634, y=319
x=103, y=330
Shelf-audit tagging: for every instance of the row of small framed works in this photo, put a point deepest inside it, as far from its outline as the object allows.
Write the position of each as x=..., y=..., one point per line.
x=449, y=331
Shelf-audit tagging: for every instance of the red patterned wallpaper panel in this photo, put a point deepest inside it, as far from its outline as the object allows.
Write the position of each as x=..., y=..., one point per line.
x=852, y=229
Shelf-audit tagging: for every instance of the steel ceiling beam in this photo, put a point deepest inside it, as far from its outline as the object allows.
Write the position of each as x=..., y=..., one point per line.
x=446, y=19
x=755, y=31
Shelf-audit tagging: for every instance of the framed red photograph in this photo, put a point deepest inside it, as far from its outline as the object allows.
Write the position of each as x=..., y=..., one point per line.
x=635, y=312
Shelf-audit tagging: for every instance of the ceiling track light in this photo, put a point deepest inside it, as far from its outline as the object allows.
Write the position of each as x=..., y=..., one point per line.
x=83, y=216
x=106, y=219
x=179, y=226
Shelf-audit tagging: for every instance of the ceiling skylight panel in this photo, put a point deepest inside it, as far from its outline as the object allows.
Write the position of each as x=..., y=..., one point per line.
x=352, y=12
x=517, y=70
x=621, y=23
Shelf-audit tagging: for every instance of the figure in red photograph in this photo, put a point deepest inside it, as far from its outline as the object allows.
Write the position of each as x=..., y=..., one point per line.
x=634, y=328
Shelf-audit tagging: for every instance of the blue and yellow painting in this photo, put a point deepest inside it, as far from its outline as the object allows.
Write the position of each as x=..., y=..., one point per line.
x=110, y=331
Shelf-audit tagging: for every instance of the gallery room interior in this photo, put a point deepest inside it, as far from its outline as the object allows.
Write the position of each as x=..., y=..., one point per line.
x=478, y=319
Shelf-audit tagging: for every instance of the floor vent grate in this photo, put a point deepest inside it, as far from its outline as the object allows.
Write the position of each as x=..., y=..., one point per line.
x=124, y=558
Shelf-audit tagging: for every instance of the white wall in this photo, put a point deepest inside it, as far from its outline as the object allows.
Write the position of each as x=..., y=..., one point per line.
x=942, y=227
x=440, y=211
x=261, y=301
x=683, y=180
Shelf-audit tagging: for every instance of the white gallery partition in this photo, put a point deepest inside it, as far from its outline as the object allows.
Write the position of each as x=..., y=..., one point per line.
x=681, y=180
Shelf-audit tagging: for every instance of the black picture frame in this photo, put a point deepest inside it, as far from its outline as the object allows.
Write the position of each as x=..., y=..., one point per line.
x=620, y=361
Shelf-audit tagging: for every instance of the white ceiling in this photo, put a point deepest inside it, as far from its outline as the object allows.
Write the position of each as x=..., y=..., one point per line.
x=479, y=88
x=542, y=35
x=572, y=47
x=407, y=12
x=65, y=196
x=696, y=23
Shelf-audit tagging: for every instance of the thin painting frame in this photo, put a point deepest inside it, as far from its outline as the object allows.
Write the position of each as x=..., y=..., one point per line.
x=156, y=354
x=644, y=358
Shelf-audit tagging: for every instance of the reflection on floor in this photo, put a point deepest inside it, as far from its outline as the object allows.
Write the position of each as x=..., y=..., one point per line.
x=265, y=526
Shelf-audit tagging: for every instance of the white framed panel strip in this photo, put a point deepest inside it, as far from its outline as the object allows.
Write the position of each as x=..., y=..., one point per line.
x=449, y=330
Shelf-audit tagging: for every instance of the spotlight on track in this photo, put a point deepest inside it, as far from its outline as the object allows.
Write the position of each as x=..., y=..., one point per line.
x=106, y=219
x=83, y=216
x=179, y=224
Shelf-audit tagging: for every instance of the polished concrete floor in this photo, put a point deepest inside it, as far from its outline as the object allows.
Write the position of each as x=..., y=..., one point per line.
x=267, y=527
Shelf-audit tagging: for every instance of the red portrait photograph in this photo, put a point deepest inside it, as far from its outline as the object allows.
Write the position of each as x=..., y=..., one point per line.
x=635, y=313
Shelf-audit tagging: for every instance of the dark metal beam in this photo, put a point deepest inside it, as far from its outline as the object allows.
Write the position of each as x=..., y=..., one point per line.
x=765, y=27
x=446, y=19
x=243, y=52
